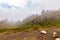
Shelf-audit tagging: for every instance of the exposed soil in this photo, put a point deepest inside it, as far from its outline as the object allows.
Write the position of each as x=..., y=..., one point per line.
x=35, y=35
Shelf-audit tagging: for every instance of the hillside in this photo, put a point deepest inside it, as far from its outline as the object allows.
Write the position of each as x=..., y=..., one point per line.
x=30, y=35
x=32, y=26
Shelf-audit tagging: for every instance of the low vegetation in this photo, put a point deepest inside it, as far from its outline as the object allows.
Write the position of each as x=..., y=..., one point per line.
x=47, y=19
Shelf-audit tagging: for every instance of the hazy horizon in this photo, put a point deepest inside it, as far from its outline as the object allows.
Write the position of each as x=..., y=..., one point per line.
x=20, y=9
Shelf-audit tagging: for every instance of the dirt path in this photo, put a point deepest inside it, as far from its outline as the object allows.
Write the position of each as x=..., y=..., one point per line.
x=32, y=35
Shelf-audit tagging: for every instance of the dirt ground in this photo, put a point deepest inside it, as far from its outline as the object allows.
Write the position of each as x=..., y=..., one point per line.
x=31, y=35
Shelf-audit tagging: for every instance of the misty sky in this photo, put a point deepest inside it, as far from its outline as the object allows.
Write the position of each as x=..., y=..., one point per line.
x=20, y=9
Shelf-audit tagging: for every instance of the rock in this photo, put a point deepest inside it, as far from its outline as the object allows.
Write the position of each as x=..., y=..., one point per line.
x=54, y=34
x=43, y=32
x=57, y=39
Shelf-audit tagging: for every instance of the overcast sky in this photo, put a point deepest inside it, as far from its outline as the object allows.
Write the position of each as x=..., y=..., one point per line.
x=20, y=9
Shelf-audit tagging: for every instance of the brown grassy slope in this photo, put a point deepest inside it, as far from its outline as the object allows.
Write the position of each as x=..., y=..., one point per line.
x=31, y=35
